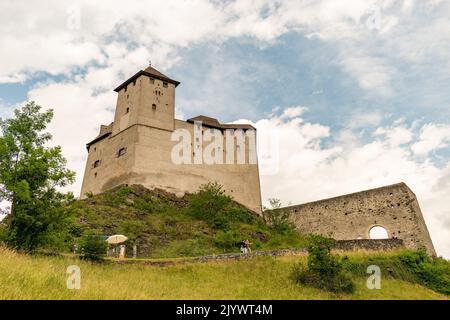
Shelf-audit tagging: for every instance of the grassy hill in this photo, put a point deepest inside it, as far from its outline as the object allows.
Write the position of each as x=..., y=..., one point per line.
x=165, y=226
x=31, y=277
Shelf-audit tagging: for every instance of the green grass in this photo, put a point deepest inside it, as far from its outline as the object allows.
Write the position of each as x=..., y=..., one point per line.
x=38, y=277
x=161, y=226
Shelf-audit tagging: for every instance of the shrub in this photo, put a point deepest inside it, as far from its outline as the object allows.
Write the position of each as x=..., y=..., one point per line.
x=227, y=240
x=432, y=273
x=93, y=247
x=212, y=205
x=323, y=270
x=278, y=218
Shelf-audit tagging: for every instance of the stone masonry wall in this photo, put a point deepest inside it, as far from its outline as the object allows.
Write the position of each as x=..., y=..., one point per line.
x=350, y=217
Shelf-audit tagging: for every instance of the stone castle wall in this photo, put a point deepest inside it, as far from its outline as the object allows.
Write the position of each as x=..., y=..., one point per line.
x=350, y=217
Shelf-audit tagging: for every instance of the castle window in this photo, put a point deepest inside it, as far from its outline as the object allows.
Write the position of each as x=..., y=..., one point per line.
x=95, y=175
x=128, y=110
x=126, y=88
x=154, y=106
x=122, y=152
x=128, y=96
x=165, y=84
x=152, y=81
x=97, y=163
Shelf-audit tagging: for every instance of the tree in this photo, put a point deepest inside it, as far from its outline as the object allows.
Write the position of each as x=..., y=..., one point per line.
x=93, y=247
x=277, y=217
x=30, y=173
x=211, y=204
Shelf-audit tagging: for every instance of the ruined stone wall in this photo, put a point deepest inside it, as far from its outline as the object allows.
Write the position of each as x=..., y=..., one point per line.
x=348, y=217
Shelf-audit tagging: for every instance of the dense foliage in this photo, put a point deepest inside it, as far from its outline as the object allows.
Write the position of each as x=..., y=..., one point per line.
x=30, y=173
x=412, y=266
x=93, y=247
x=324, y=270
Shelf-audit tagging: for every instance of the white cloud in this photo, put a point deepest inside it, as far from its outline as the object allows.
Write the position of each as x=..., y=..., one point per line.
x=40, y=37
x=293, y=112
x=395, y=136
x=432, y=137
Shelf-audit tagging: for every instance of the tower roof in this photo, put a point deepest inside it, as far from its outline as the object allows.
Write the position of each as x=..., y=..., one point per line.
x=149, y=72
x=214, y=123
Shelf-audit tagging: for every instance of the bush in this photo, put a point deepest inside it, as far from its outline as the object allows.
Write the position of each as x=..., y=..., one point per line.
x=93, y=247
x=212, y=205
x=432, y=273
x=324, y=270
x=278, y=218
x=227, y=240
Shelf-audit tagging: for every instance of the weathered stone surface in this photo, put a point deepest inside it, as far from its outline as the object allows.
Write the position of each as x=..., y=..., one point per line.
x=369, y=244
x=349, y=217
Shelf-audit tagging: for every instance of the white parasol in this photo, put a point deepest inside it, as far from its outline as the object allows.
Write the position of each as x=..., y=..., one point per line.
x=117, y=238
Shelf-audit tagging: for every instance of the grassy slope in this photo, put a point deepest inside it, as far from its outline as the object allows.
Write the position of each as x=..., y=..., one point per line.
x=161, y=227
x=25, y=277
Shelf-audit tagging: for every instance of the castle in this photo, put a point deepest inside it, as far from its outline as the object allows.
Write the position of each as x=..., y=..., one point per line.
x=146, y=145
x=138, y=147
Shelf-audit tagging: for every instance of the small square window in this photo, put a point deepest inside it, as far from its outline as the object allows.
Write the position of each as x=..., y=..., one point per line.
x=152, y=81
x=165, y=84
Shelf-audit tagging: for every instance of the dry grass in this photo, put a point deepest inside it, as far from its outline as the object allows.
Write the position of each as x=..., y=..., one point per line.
x=26, y=277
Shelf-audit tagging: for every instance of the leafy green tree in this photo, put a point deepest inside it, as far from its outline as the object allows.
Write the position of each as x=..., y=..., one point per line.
x=30, y=173
x=93, y=247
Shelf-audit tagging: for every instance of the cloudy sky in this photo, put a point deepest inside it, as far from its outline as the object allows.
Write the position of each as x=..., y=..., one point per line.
x=356, y=91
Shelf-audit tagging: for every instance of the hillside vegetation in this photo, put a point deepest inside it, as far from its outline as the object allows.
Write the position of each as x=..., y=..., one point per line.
x=165, y=226
x=37, y=277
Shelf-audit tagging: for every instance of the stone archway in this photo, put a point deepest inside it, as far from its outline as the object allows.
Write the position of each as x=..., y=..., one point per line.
x=378, y=232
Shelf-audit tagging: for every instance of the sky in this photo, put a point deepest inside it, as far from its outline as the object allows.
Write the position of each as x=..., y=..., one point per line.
x=356, y=91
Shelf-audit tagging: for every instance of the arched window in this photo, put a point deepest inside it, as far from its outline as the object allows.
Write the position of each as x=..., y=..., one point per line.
x=378, y=232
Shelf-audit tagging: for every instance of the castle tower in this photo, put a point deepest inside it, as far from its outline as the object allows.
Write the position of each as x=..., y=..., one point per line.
x=137, y=147
x=147, y=98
